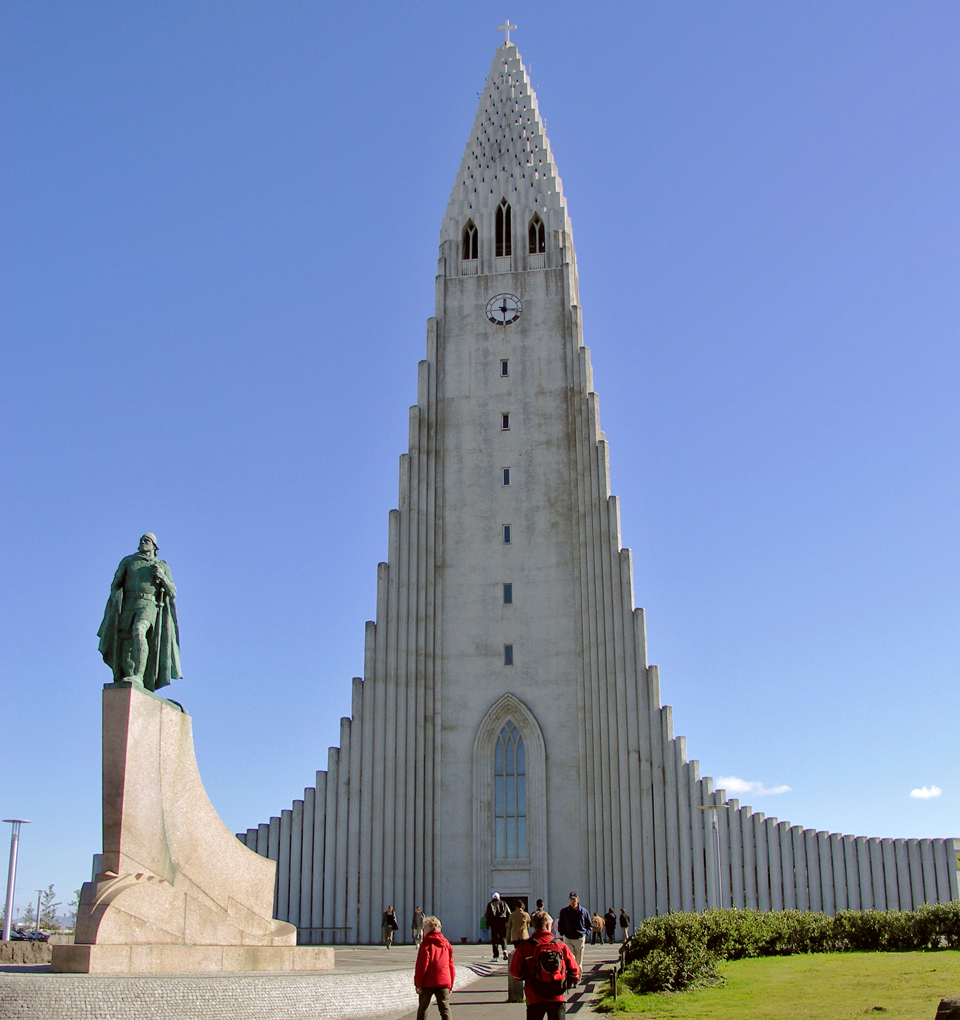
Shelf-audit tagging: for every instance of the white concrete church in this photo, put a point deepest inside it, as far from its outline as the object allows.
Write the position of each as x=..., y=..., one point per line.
x=508, y=733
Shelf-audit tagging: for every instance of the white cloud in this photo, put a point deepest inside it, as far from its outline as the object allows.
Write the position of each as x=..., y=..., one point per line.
x=926, y=792
x=734, y=785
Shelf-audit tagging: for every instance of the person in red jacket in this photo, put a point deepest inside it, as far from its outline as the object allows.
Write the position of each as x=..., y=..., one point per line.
x=521, y=965
x=435, y=971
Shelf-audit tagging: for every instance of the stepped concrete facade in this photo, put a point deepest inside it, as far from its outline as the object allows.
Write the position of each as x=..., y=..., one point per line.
x=508, y=732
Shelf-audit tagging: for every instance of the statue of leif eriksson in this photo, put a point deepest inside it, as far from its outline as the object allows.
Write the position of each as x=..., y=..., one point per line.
x=139, y=636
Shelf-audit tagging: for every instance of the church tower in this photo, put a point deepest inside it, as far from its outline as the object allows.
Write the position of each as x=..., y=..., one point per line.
x=507, y=734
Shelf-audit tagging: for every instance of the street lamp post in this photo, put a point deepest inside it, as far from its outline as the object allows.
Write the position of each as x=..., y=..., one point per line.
x=12, y=872
x=713, y=809
x=36, y=927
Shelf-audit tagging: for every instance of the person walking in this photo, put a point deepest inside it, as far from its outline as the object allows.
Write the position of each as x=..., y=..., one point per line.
x=624, y=925
x=388, y=925
x=434, y=973
x=416, y=925
x=496, y=915
x=596, y=929
x=546, y=967
x=610, y=921
x=517, y=922
x=574, y=925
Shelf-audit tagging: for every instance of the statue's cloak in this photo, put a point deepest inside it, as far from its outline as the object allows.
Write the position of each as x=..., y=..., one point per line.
x=162, y=667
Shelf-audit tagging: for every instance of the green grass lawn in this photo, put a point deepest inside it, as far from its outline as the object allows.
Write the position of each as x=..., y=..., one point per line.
x=828, y=986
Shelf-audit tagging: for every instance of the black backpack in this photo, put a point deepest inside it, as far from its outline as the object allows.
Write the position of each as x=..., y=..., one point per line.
x=546, y=969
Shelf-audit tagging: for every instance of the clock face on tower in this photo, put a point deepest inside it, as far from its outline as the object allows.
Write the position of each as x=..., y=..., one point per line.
x=504, y=309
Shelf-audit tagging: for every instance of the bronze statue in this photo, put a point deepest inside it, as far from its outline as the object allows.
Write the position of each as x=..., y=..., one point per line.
x=139, y=636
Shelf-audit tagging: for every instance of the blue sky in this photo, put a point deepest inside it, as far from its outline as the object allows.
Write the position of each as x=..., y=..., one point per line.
x=219, y=233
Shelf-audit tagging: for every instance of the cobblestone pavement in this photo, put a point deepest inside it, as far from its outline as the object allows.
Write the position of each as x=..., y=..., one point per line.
x=367, y=982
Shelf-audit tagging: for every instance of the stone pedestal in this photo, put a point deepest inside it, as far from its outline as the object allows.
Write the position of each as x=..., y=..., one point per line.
x=178, y=892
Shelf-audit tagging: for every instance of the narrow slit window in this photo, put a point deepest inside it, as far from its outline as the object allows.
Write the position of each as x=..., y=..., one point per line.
x=508, y=655
x=536, y=236
x=506, y=476
x=470, y=242
x=505, y=367
x=508, y=594
x=510, y=795
x=507, y=540
x=504, y=246
x=505, y=422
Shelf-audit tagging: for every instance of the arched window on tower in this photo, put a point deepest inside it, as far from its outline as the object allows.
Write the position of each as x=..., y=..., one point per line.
x=471, y=245
x=510, y=795
x=504, y=247
x=537, y=236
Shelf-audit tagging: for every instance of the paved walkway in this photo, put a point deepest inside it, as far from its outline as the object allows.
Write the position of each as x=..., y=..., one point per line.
x=486, y=999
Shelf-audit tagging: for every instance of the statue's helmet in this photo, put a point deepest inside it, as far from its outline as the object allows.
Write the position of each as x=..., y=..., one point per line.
x=153, y=538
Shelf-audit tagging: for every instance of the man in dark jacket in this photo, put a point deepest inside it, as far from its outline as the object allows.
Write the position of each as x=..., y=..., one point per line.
x=574, y=925
x=496, y=915
x=624, y=925
x=610, y=922
x=435, y=971
x=521, y=968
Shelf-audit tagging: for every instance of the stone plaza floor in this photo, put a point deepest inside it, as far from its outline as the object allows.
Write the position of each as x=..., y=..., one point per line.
x=367, y=983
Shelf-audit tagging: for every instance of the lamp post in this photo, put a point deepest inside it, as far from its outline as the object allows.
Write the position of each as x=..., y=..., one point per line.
x=12, y=872
x=36, y=927
x=714, y=808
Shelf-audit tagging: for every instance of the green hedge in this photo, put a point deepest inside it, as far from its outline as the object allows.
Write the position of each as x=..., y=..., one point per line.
x=679, y=951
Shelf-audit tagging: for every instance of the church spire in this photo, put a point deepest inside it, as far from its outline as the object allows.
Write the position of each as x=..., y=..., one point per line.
x=507, y=158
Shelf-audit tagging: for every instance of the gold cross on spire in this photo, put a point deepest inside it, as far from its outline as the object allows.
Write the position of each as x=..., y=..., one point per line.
x=506, y=28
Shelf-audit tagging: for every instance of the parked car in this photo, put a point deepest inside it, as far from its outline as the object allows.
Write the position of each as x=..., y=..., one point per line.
x=28, y=936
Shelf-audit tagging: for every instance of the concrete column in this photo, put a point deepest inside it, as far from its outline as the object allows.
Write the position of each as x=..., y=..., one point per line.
x=685, y=879
x=296, y=848
x=709, y=842
x=748, y=843
x=723, y=827
x=319, y=826
x=403, y=591
x=697, y=855
x=800, y=877
x=591, y=811
x=762, y=855
x=353, y=812
x=929, y=871
x=775, y=864
x=341, y=917
x=904, y=894
x=943, y=857
x=839, y=872
x=825, y=859
x=646, y=788
x=876, y=875
x=380, y=762
x=366, y=779
x=263, y=839
x=735, y=868
x=916, y=873
x=330, y=841
x=786, y=867
x=634, y=863
x=390, y=742
x=250, y=838
x=674, y=900
x=952, y=850
x=851, y=863
x=659, y=816
x=891, y=888
x=863, y=867
x=814, y=877
x=283, y=866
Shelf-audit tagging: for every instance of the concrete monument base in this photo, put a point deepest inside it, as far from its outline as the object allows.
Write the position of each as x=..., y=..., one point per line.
x=178, y=893
x=161, y=959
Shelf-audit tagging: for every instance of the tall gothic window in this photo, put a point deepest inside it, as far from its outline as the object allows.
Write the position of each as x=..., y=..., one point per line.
x=470, y=244
x=503, y=230
x=510, y=794
x=536, y=236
